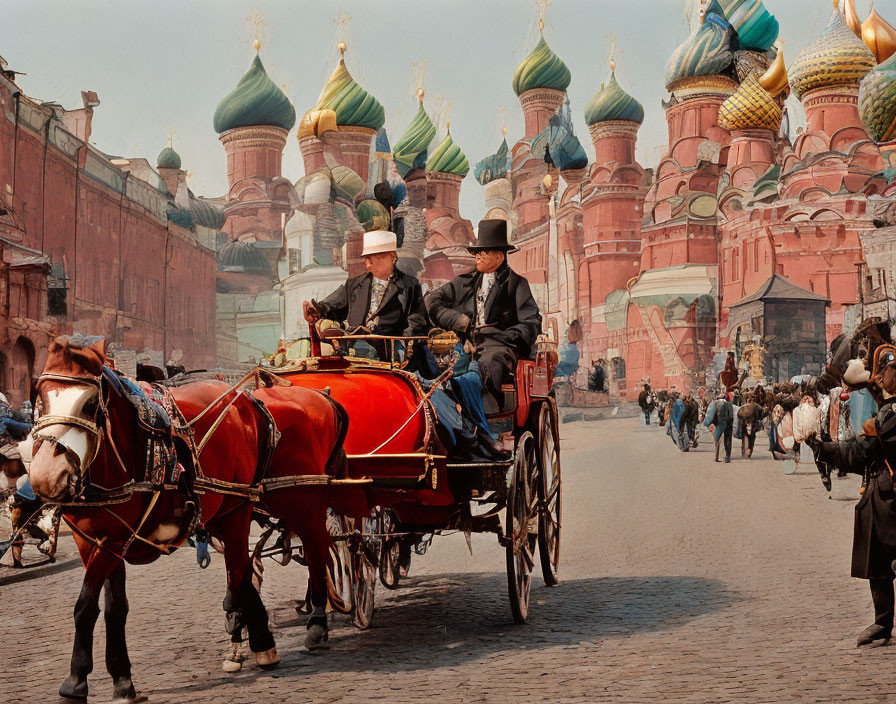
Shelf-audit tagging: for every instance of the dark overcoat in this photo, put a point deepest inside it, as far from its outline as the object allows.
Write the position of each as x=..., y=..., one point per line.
x=511, y=313
x=874, y=535
x=401, y=312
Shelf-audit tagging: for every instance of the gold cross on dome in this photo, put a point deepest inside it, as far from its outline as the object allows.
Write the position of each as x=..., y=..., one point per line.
x=342, y=23
x=255, y=21
x=541, y=6
x=613, y=39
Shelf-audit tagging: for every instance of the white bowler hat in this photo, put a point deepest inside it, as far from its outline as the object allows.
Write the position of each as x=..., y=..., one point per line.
x=379, y=241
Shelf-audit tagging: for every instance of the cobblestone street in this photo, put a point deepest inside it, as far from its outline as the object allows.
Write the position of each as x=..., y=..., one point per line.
x=682, y=580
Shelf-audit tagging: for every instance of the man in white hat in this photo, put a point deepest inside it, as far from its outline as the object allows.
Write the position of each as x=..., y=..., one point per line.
x=385, y=300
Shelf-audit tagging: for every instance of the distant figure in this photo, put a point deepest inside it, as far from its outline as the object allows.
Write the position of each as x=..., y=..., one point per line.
x=728, y=376
x=689, y=421
x=598, y=376
x=723, y=420
x=646, y=402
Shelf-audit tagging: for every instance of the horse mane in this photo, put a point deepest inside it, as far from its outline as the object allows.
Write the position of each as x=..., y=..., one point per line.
x=72, y=354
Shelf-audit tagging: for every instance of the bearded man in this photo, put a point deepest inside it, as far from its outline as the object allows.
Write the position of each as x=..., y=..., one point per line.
x=491, y=306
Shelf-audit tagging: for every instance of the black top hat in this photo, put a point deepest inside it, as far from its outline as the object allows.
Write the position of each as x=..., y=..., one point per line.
x=492, y=235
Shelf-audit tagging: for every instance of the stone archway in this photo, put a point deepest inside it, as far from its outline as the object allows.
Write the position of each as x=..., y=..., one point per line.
x=21, y=371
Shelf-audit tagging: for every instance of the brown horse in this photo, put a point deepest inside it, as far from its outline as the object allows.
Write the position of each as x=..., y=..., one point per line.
x=88, y=457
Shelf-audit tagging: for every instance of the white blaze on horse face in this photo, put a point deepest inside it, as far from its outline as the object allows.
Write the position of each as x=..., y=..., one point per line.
x=70, y=401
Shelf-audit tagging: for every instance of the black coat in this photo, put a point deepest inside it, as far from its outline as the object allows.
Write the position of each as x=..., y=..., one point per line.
x=874, y=535
x=511, y=313
x=401, y=311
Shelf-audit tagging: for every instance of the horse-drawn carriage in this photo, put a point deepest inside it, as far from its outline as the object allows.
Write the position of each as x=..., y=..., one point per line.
x=400, y=483
x=136, y=470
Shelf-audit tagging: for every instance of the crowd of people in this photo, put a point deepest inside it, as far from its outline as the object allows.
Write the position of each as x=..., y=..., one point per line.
x=845, y=428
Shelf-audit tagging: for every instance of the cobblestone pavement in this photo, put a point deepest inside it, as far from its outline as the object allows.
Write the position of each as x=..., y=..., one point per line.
x=683, y=580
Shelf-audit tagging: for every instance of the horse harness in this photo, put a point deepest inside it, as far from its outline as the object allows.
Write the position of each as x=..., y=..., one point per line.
x=163, y=431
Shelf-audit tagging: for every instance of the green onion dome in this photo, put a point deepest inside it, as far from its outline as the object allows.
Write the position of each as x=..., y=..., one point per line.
x=613, y=103
x=242, y=256
x=448, y=159
x=757, y=29
x=877, y=101
x=838, y=57
x=354, y=106
x=206, y=214
x=255, y=101
x=168, y=159
x=410, y=151
x=709, y=51
x=541, y=69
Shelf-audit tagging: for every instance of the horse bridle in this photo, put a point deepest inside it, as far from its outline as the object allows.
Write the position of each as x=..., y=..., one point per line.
x=94, y=428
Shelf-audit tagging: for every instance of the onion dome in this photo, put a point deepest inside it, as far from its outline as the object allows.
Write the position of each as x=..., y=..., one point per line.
x=613, y=103
x=879, y=36
x=179, y=216
x=751, y=107
x=757, y=29
x=709, y=51
x=242, y=256
x=448, y=159
x=410, y=151
x=354, y=106
x=372, y=215
x=877, y=101
x=838, y=57
x=541, y=69
x=255, y=101
x=317, y=123
x=493, y=167
x=206, y=213
x=347, y=184
x=168, y=159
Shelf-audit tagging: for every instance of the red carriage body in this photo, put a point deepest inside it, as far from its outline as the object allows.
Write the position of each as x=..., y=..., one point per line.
x=396, y=461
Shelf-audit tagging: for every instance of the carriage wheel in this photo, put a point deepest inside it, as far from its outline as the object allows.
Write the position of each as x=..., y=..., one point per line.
x=339, y=569
x=365, y=557
x=521, y=527
x=549, y=497
x=390, y=556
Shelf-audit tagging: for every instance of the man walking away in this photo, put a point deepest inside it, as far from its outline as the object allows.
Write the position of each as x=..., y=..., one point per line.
x=645, y=401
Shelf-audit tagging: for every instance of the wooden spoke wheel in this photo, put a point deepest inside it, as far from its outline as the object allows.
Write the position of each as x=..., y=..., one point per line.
x=549, y=496
x=390, y=556
x=365, y=558
x=521, y=526
x=339, y=569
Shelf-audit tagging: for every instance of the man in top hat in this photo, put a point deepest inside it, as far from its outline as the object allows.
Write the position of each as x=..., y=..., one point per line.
x=385, y=300
x=491, y=306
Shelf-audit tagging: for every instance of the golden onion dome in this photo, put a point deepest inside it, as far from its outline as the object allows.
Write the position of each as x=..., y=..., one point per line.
x=751, y=107
x=852, y=19
x=774, y=80
x=879, y=36
x=836, y=58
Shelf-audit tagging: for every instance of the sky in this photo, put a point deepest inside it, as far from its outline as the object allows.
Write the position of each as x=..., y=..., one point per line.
x=158, y=65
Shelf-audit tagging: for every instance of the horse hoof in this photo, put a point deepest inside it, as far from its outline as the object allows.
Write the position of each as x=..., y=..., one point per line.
x=267, y=659
x=231, y=665
x=123, y=690
x=74, y=689
x=316, y=636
